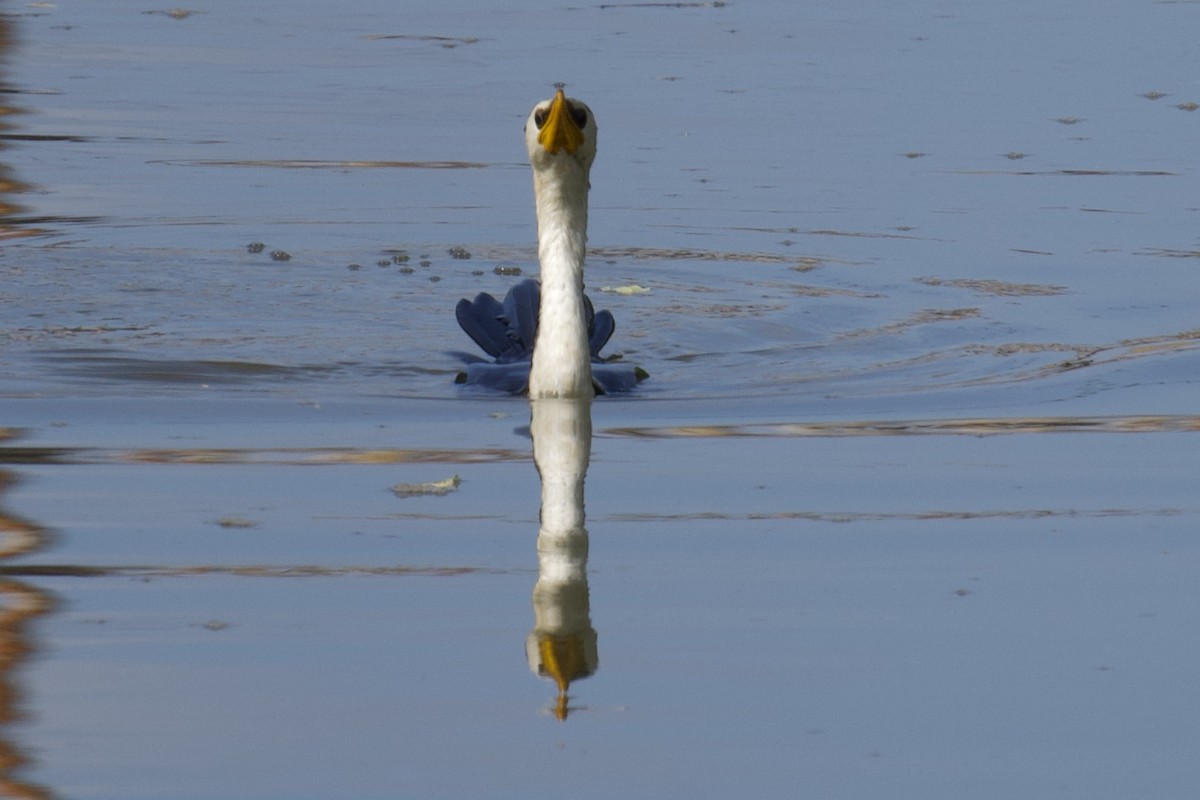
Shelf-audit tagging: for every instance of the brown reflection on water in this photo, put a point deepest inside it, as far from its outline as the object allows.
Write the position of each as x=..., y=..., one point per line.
x=20, y=537
x=20, y=604
x=1177, y=423
x=14, y=222
x=10, y=224
x=312, y=163
x=563, y=643
x=995, y=287
x=291, y=456
x=1070, y=173
x=1165, y=253
x=933, y=515
x=8, y=184
x=144, y=571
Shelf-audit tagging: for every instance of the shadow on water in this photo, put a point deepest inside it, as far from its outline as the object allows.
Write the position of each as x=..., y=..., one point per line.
x=114, y=368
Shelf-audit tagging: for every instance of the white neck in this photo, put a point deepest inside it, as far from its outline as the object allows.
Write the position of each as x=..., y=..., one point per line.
x=561, y=359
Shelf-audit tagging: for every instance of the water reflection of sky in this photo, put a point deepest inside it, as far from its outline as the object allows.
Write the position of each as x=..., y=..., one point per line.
x=906, y=509
x=896, y=209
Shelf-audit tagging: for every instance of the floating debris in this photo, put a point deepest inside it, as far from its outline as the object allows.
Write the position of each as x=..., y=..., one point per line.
x=712, y=4
x=459, y=252
x=984, y=426
x=174, y=13
x=255, y=247
x=629, y=289
x=1072, y=173
x=808, y=263
x=448, y=42
x=280, y=255
x=1152, y=95
x=215, y=625
x=236, y=522
x=507, y=269
x=1187, y=106
x=238, y=570
x=1158, y=251
x=435, y=488
x=994, y=287
x=308, y=163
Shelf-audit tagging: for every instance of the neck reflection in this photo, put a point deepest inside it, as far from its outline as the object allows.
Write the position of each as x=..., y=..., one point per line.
x=562, y=645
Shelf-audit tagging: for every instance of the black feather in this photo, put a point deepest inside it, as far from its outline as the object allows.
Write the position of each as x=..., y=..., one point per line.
x=600, y=331
x=521, y=306
x=507, y=330
x=481, y=319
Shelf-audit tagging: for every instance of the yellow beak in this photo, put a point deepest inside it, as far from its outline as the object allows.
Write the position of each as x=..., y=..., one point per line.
x=560, y=131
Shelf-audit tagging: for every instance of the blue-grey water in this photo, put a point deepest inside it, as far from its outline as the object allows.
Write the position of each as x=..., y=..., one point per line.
x=908, y=507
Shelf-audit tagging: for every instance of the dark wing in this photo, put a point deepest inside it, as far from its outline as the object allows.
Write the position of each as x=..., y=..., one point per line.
x=600, y=330
x=511, y=378
x=481, y=318
x=507, y=330
x=521, y=306
x=610, y=378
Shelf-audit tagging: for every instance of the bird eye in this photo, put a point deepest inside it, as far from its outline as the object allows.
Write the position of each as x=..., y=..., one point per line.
x=579, y=115
x=539, y=117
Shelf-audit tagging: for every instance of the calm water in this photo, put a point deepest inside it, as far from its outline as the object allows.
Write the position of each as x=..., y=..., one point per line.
x=907, y=509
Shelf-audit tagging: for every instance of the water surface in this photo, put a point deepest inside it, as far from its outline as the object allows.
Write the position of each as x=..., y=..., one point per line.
x=907, y=508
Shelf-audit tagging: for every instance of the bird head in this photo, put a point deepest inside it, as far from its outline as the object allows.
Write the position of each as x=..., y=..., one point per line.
x=561, y=128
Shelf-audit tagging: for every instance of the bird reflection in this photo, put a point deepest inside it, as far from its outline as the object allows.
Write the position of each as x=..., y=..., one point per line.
x=562, y=645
